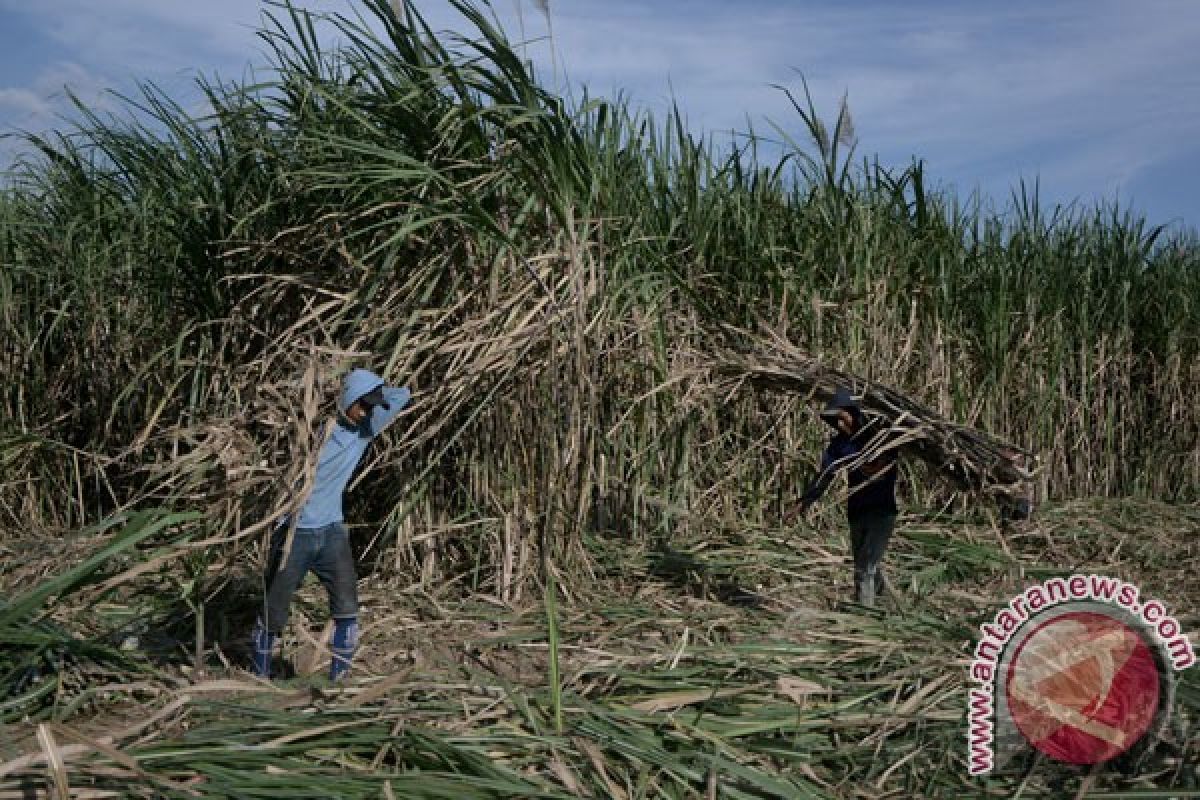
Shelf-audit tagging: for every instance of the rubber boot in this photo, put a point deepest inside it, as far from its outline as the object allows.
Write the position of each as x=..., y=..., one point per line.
x=865, y=584
x=263, y=644
x=345, y=642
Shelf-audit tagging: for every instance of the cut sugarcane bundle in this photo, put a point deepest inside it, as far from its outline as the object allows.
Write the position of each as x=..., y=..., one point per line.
x=972, y=459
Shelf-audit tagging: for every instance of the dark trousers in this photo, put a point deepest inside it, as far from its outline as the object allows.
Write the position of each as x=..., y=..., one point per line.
x=326, y=551
x=869, y=535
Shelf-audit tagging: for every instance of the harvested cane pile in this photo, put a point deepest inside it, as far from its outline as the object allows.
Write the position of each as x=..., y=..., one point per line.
x=971, y=459
x=658, y=692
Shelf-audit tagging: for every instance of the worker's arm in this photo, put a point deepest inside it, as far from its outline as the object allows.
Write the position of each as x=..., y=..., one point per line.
x=832, y=460
x=878, y=465
x=397, y=398
x=872, y=437
x=814, y=491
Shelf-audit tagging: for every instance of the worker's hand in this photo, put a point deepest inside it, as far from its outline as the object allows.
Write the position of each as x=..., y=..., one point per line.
x=873, y=468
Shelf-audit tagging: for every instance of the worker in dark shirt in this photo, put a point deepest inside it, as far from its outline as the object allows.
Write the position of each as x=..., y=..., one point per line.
x=871, y=504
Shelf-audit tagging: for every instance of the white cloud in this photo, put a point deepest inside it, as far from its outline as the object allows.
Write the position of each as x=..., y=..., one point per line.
x=23, y=104
x=41, y=105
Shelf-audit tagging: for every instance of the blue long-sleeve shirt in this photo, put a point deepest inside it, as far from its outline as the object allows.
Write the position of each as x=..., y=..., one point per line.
x=868, y=493
x=339, y=456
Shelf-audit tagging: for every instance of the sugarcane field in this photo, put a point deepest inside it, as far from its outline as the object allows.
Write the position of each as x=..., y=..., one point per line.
x=399, y=420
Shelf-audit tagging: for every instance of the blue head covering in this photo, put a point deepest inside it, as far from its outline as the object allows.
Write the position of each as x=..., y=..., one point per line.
x=358, y=383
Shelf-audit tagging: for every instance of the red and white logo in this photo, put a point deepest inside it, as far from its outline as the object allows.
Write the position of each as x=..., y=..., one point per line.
x=1083, y=687
x=1081, y=667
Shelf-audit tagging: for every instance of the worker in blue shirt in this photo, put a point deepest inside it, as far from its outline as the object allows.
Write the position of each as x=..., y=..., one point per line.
x=320, y=541
x=871, y=504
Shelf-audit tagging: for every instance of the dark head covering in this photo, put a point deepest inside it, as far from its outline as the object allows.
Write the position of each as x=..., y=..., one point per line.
x=842, y=400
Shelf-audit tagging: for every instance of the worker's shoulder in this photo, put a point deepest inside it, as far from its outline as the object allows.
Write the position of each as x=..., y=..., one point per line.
x=842, y=445
x=341, y=436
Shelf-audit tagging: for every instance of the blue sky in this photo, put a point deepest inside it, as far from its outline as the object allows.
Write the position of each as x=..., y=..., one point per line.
x=1099, y=99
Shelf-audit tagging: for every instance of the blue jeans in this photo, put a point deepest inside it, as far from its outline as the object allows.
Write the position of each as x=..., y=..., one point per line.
x=326, y=551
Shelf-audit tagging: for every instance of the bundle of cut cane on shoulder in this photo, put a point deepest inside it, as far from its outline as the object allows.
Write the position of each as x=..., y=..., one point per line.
x=973, y=460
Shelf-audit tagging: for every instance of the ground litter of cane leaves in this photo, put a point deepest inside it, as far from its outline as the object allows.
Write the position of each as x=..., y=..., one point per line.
x=727, y=663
